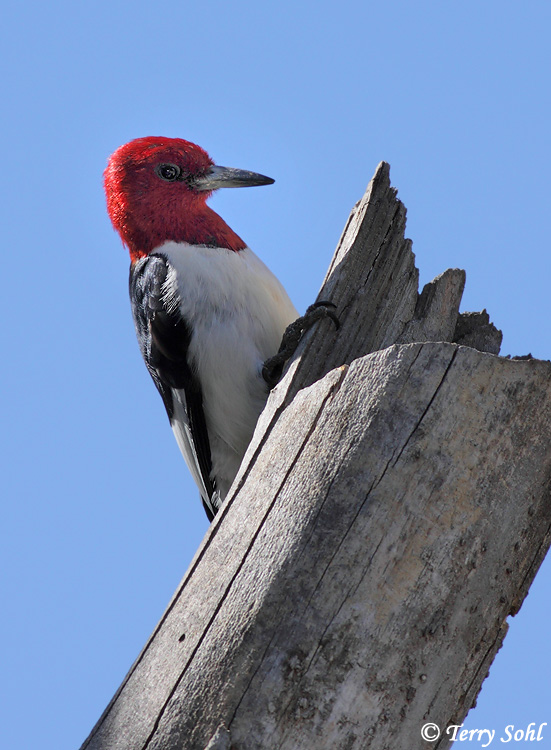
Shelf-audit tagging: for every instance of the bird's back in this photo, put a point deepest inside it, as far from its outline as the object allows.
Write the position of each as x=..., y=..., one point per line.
x=240, y=312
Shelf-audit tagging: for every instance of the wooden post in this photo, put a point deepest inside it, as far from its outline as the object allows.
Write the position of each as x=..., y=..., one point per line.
x=391, y=512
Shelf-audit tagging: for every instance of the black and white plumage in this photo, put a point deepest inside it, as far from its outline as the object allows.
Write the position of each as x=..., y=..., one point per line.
x=204, y=339
x=164, y=339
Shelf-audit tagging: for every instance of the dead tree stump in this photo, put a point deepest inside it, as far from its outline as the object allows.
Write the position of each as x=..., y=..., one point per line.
x=390, y=513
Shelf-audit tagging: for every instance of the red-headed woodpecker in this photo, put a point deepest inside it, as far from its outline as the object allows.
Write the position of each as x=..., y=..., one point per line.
x=208, y=313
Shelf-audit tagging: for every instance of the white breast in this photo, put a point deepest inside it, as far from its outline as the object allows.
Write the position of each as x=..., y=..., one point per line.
x=237, y=311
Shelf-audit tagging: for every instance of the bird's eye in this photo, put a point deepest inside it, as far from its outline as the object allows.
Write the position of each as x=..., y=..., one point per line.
x=168, y=172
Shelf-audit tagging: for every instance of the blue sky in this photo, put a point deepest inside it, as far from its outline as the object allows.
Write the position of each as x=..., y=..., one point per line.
x=100, y=518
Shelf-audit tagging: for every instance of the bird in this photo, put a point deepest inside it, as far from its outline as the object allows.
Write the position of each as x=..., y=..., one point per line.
x=209, y=314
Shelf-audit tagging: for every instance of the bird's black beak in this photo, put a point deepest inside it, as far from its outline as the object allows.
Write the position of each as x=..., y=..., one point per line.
x=228, y=177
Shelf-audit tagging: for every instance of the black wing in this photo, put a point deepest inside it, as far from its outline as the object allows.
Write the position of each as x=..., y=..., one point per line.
x=164, y=338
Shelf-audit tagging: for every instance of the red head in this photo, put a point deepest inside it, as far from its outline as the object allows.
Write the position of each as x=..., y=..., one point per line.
x=157, y=190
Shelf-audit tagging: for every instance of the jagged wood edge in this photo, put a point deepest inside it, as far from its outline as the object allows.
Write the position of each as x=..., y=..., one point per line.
x=380, y=305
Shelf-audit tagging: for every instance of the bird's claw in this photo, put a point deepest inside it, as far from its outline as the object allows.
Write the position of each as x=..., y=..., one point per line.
x=272, y=368
x=318, y=311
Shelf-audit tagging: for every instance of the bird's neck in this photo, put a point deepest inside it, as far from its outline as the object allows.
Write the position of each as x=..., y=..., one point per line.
x=202, y=227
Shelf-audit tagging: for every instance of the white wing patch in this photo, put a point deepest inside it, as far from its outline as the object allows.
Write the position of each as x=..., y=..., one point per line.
x=182, y=433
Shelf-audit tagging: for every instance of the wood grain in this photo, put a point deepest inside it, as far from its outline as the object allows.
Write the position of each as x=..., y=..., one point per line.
x=391, y=512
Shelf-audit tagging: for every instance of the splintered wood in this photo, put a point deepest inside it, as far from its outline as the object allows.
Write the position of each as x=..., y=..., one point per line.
x=391, y=512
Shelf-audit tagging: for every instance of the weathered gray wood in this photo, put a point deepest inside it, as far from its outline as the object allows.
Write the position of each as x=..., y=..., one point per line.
x=391, y=607
x=384, y=523
x=476, y=331
x=435, y=316
x=374, y=283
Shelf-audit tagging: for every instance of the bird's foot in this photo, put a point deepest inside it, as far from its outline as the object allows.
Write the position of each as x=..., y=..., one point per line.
x=272, y=368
